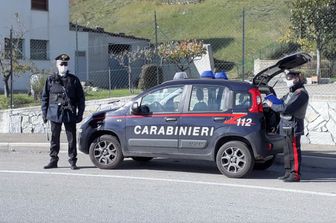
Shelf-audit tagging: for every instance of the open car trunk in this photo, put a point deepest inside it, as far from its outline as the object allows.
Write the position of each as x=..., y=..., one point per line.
x=261, y=80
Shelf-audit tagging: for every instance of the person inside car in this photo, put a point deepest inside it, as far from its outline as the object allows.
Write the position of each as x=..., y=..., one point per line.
x=200, y=105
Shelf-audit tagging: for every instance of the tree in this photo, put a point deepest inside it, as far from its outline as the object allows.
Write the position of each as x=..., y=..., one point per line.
x=330, y=54
x=127, y=58
x=16, y=45
x=314, y=21
x=182, y=53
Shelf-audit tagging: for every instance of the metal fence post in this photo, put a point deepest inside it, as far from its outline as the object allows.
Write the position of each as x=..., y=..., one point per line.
x=76, y=53
x=11, y=65
x=243, y=46
x=109, y=72
x=156, y=46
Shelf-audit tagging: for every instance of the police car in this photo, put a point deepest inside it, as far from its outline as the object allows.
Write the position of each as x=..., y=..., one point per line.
x=206, y=119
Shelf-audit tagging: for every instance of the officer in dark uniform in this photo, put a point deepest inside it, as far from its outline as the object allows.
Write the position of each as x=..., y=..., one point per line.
x=63, y=101
x=292, y=113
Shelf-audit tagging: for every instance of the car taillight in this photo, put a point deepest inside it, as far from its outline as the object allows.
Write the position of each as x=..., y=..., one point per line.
x=269, y=146
x=256, y=101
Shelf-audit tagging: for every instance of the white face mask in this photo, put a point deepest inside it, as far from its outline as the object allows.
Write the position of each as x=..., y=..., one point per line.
x=290, y=83
x=62, y=70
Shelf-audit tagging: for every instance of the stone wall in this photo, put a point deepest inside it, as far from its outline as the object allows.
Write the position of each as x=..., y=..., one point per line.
x=29, y=120
x=320, y=122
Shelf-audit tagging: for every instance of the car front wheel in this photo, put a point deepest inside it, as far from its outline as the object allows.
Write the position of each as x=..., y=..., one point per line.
x=234, y=159
x=105, y=152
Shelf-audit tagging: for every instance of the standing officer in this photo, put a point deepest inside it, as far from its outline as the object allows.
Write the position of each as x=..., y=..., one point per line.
x=62, y=102
x=292, y=113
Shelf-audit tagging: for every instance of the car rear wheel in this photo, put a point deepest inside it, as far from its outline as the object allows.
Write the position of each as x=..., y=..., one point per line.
x=105, y=152
x=263, y=166
x=234, y=159
x=142, y=159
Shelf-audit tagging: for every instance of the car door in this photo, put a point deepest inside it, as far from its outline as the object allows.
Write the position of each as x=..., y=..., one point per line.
x=208, y=109
x=155, y=133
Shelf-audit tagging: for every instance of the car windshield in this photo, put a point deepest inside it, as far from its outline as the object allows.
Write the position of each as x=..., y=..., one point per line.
x=163, y=100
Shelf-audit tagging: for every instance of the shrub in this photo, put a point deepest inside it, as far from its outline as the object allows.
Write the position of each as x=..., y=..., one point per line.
x=19, y=101
x=150, y=76
x=37, y=82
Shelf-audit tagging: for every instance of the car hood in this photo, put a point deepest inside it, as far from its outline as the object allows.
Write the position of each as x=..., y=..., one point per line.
x=285, y=63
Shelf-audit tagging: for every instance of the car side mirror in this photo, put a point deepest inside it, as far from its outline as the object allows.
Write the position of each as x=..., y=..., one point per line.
x=139, y=110
x=135, y=108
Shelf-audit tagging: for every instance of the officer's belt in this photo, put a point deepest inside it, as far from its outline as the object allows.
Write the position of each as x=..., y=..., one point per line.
x=286, y=117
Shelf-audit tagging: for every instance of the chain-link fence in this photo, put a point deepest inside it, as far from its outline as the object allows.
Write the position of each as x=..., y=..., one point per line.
x=235, y=43
x=234, y=46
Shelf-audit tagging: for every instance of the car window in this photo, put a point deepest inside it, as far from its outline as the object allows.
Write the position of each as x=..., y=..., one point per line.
x=242, y=100
x=210, y=99
x=163, y=100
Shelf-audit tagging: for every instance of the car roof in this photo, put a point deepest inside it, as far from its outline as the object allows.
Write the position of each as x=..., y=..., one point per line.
x=232, y=84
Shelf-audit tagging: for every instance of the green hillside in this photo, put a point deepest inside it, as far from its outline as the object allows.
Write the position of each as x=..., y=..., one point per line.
x=218, y=22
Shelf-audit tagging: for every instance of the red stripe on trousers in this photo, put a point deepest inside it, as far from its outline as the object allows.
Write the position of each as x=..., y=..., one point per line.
x=296, y=157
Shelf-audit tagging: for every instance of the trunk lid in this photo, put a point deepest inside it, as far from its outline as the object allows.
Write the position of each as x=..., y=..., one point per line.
x=285, y=63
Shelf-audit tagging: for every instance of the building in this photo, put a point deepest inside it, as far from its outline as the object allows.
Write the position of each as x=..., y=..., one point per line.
x=47, y=32
x=95, y=63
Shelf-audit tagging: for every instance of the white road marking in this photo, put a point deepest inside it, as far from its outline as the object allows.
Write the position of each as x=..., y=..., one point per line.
x=65, y=151
x=175, y=181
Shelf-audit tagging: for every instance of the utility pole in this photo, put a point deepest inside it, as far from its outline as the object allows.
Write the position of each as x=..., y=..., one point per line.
x=76, y=53
x=11, y=64
x=156, y=32
x=243, y=47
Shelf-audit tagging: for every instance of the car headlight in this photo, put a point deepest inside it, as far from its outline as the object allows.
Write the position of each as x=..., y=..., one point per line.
x=86, y=119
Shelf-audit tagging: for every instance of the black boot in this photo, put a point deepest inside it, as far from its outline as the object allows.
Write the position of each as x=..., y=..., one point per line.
x=293, y=177
x=51, y=164
x=73, y=166
x=287, y=174
x=73, y=162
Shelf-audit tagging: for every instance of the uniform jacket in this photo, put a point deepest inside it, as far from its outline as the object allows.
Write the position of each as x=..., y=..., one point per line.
x=63, y=99
x=294, y=106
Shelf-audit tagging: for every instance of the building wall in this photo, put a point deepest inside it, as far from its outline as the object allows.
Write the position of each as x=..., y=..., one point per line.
x=100, y=62
x=51, y=25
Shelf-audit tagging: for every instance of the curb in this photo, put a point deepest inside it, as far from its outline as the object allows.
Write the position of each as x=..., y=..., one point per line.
x=322, y=162
x=29, y=147
x=311, y=161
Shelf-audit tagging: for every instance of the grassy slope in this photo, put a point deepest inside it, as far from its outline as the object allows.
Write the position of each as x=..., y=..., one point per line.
x=218, y=22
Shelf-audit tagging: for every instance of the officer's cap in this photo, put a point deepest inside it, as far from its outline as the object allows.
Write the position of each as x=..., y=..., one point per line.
x=292, y=74
x=63, y=57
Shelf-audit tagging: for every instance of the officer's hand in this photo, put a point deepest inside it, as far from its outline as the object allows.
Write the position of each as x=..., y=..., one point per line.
x=45, y=120
x=269, y=103
x=79, y=119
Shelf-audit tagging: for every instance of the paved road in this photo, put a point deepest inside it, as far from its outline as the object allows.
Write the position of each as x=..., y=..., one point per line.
x=158, y=191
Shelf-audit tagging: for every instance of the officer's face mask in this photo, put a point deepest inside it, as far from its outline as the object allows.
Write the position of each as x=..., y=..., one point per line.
x=290, y=81
x=62, y=67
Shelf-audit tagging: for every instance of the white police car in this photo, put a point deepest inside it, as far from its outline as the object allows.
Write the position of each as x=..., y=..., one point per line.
x=206, y=119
